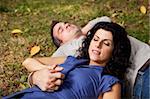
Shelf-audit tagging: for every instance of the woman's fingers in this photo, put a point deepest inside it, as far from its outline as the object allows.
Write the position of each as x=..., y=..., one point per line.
x=51, y=79
x=59, y=68
x=55, y=68
x=54, y=84
x=52, y=67
x=55, y=80
x=52, y=89
x=58, y=82
x=58, y=75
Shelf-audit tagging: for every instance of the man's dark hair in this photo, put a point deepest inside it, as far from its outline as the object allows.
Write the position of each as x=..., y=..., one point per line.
x=119, y=61
x=55, y=40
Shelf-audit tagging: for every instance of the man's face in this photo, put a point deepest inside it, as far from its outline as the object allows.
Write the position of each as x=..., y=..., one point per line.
x=65, y=31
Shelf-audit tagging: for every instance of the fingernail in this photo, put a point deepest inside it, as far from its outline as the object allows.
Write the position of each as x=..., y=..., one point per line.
x=61, y=68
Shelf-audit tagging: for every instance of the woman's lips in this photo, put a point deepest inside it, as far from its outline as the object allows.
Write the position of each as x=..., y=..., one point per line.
x=97, y=52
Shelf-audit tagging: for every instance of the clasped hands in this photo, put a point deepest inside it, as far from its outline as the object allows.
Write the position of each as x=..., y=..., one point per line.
x=48, y=79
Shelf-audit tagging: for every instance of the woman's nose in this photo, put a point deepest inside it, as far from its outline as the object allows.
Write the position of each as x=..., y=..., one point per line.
x=98, y=44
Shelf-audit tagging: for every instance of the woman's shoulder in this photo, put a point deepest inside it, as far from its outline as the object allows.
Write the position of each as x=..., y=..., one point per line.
x=107, y=82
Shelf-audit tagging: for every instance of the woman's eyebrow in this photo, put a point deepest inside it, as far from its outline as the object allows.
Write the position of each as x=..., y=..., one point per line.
x=103, y=39
x=97, y=36
x=107, y=40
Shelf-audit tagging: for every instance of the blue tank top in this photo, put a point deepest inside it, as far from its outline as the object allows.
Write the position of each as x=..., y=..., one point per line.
x=82, y=81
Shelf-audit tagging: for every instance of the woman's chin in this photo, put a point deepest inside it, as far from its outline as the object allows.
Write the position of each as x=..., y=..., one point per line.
x=95, y=59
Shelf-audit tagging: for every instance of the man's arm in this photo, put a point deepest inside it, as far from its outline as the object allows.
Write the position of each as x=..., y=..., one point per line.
x=93, y=22
x=34, y=64
x=46, y=79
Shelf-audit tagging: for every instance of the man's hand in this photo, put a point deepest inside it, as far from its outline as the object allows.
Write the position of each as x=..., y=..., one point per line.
x=48, y=79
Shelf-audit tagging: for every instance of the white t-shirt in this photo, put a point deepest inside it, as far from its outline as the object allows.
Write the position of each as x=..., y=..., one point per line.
x=140, y=53
x=69, y=48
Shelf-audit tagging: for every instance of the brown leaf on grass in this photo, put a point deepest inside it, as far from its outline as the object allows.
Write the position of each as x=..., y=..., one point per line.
x=143, y=9
x=34, y=50
x=16, y=32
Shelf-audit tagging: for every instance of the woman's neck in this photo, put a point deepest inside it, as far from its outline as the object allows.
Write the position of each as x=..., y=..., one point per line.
x=97, y=63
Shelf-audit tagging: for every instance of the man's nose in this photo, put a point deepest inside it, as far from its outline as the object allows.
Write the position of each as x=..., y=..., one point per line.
x=66, y=24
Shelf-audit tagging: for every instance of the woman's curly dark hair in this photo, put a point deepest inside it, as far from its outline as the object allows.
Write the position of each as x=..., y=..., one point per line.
x=119, y=61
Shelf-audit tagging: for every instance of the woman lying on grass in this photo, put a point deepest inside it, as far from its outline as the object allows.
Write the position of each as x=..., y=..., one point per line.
x=95, y=73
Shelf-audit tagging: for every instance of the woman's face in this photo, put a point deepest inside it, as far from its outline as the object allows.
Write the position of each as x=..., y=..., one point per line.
x=101, y=47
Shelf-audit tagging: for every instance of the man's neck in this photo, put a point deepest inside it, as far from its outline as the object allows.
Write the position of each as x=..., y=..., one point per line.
x=76, y=36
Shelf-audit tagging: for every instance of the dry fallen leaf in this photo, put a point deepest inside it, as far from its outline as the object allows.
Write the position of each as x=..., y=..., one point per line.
x=114, y=15
x=16, y=31
x=121, y=23
x=143, y=9
x=34, y=50
x=28, y=9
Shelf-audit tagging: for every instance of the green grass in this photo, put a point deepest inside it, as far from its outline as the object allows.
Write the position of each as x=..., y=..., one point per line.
x=34, y=17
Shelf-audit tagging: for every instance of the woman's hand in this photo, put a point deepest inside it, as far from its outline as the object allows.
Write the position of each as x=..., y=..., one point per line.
x=48, y=79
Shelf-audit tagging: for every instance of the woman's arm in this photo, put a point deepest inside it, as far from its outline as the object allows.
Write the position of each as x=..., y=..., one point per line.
x=115, y=93
x=34, y=64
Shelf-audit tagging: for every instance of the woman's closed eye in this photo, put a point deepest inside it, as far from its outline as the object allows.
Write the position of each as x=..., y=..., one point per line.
x=107, y=44
x=95, y=39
